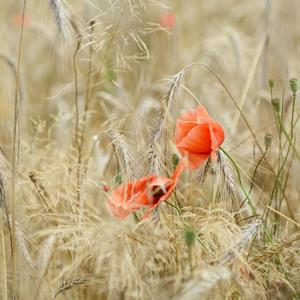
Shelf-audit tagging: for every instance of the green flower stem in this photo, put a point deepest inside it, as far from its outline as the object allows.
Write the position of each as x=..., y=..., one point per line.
x=252, y=207
x=187, y=226
x=244, y=191
x=281, y=169
x=253, y=177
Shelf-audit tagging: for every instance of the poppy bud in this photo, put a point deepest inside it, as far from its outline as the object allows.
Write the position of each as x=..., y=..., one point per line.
x=175, y=160
x=189, y=237
x=118, y=179
x=276, y=104
x=268, y=140
x=271, y=83
x=105, y=188
x=294, y=85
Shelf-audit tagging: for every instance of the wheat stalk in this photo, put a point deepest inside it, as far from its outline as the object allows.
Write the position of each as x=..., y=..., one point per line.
x=160, y=125
x=40, y=189
x=226, y=172
x=4, y=264
x=70, y=283
x=12, y=65
x=60, y=17
x=248, y=233
x=15, y=154
x=44, y=260
x=123, y=151
x=203, y=282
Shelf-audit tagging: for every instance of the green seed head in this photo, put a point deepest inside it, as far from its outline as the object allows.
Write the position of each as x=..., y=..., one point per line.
x=271, y=83
x=268, y=140
x=276, y=104
x=189, y=237
x=294, y=85
x=175, y=160
x=118, y=179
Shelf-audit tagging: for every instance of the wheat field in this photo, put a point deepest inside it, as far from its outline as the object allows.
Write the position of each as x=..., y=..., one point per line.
x=90, y=95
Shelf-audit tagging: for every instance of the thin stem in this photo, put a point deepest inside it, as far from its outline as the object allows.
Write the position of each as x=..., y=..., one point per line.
x=15, y=155
x=87, y=91
x=232, y=98
x=76, y=91
x=290, y=138
x=253, y=208
x=244, y=191
x=187, y=226
x=253, y=177
x=4, y=265
x=77, y=114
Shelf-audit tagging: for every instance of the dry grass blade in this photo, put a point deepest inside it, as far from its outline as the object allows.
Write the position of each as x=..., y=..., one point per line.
x=12, y=65
x=69, y=284
x=2, y=195
x=40, y=189
x=22, y=243
x=203, y=282
x=44, y=261
x=248, y=233
x=3, y=206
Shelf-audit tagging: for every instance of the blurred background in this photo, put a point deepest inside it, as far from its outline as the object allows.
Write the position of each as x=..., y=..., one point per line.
x=115, y=59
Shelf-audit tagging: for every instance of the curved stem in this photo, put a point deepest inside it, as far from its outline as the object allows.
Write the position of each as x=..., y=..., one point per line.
x=232, y=98
x=187, y=226
x=15, y=156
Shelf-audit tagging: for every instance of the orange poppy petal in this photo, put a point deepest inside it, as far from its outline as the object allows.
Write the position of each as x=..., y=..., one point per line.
x=179, y=169
x=142, y=199
x=201, y=112
x=189, y=120
x=182, y=129
x=195, y=160
x=147, y=214
x=195, y=114
x=118, y=212
x=217, y=135
x=197, y=140
x=126, y=191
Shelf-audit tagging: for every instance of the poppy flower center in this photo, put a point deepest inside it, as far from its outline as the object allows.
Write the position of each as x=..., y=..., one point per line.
x=157, y=192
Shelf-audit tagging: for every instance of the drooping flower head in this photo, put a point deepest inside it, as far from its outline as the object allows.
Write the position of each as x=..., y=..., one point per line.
x=148, y=191
x=19, y=20
x=198, y=136
x=167, y=20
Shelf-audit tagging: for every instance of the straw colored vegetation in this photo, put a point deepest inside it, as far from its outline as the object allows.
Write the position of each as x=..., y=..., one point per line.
x=90, y=92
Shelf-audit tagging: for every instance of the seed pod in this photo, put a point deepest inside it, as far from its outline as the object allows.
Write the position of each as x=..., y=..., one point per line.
x=276, y=104
x=294, y=85
x=271, y=83
x=189, y=237
x=118, y=179
x=268, y=140
x=175, y=160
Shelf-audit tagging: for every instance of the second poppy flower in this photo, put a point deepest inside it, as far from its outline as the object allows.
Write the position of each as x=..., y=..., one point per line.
x=198, y=136
x=148, y=191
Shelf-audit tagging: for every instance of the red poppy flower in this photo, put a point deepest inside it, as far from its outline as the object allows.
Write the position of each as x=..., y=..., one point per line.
x=148, y=191
x=18, y=20
x=198, y=136
x=167, y=20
